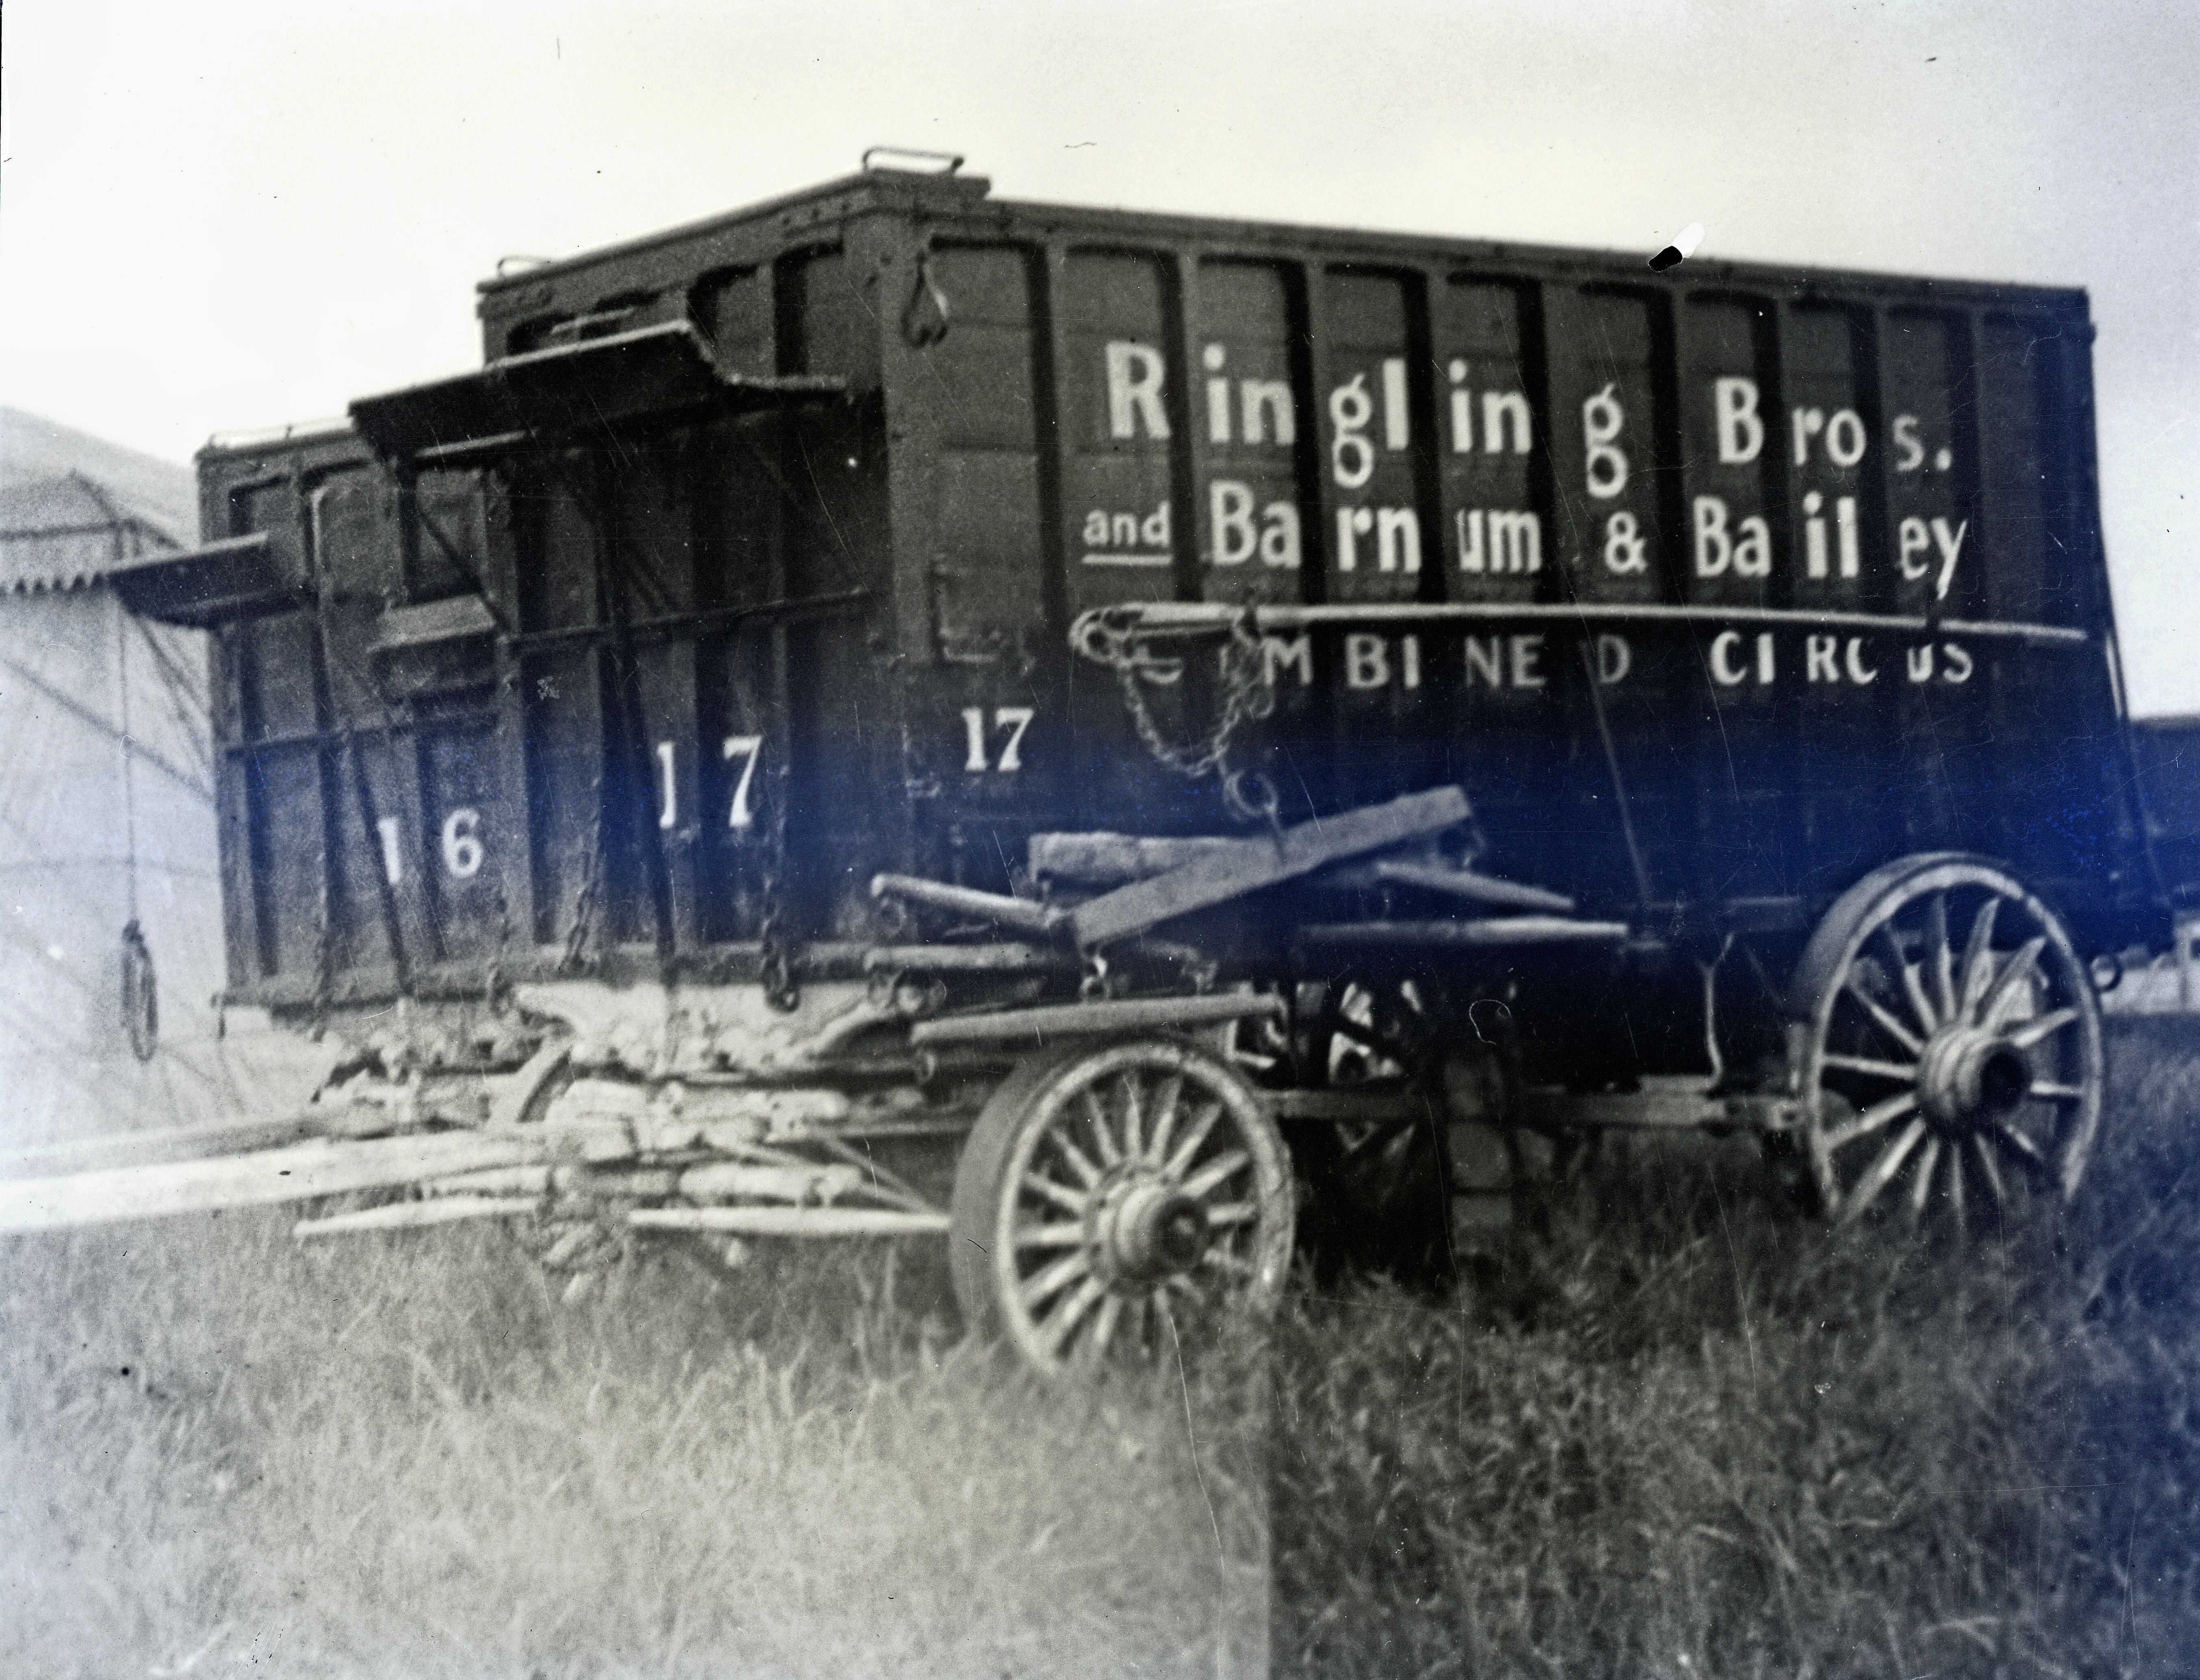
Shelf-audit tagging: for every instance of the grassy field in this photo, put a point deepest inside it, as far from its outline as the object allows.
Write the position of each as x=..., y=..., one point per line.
x=1679, y=1432
x=1685, y=1434
x=224, y=1454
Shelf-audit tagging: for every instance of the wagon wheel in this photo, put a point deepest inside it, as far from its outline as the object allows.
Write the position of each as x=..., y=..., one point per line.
x=1952, y=1040
x=1111, y=1194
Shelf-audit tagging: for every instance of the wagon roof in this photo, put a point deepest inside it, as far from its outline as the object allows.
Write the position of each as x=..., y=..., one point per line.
x=970, y=195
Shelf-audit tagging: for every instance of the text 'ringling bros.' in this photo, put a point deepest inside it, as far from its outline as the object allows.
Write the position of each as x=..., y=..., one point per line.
x=1370, y=414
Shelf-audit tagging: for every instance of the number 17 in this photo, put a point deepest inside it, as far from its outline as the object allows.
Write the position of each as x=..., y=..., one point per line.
x=748, y=749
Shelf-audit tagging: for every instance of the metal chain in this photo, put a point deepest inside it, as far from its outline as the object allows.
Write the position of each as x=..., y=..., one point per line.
x=1106, y=636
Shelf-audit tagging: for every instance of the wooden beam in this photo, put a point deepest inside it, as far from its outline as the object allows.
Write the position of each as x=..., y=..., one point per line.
x=786, y=1221
x=412, y=1216
x=1020, y=913
x=266, y=1178
x=1492, y=930
x=1251, y=865
x=170, y=1143
x=1065, y=1020
x=1468, y=884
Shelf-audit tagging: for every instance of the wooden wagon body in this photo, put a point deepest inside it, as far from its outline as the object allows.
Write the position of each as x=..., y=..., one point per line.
x=889, y=660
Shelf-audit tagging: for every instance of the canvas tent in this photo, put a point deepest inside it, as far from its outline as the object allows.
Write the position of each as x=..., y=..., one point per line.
x=106, y=810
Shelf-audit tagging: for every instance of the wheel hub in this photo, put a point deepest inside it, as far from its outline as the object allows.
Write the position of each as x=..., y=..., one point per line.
x=1969, y=1076
x=1146, y=1229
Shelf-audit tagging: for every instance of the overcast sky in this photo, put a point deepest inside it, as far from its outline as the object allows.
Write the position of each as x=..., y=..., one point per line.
x=219, y=215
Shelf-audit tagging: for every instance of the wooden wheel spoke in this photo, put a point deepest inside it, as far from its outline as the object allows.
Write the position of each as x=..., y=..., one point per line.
x=1233, y=1213
x=1941, y=955
x=1888, y=1023
x=1978, y=957
x=1055, y=1327
x=2018, y=1144
x=1872, y=1068
x=1043, y=1286
x=1165, y=1118
x=1955, y=1184
x=1135, y=1333
x=1921, y=1184
x=2049, y=1090
x=1912, y=988
x=1872, y=1119
x=1223, y=1167
x=1989, y=1168
x=1134, y=1119
x=1881, y=1172
x=2042, y=1027
x=1060, y=1194
x=1103, y=1135
x=1104, y=1328
x=2008, y=988
x=1237, y=1265
x=1080, y=1162
x=1050, y=1236
x=1193, y=1139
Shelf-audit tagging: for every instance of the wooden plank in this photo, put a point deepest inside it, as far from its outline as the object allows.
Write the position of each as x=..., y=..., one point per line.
x=261, y=1180
x=1664, y=1103
x=787, y=1222
x=1106, y=860
x=1122, y=1015
x=1343, y=1105
x=1216, y=879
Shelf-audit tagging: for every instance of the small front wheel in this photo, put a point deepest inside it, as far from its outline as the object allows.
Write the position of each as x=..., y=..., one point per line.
x=1115, y=1196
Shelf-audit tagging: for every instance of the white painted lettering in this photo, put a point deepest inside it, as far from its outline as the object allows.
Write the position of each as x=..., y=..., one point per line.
x=1296, y=654
x=1366, y=662
x=1912, y=453
x=748, y=749
x=1845, y=527
x=1230, y=509
x=1764, y=669
x=1858, y=671
x=1613, y=656
x=1845, y=438
x=1723, y=671
x=1911, y=538
x=1959, y=662
x=1714, y=548
x=1351, y=524
x=1412, y=645
x=1951, y=543
x=1814, y=536
x=1920, y=660
x=1351, y=456
x=1263, y=401
x=1279, y=535
x=1740, y=431
x=1485, y=658
x=1808, y=423
x=1603, y=419
x=1218, y=395
x=1819, y=655
x=1398, y=540
x=1134, y=390
x=1462, y=410
x=1527, y=660
x=1397, y=427
x=1504, y=416
x=1625, y=550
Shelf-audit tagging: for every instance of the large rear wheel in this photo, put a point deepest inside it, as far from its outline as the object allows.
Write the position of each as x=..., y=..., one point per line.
x=1114, y=1199
x=1952, y=1054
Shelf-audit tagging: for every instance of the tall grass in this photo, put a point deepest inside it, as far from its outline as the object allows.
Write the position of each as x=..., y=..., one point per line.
x=1685, y=1434
x=1677, y=1432
x=408, y=1458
